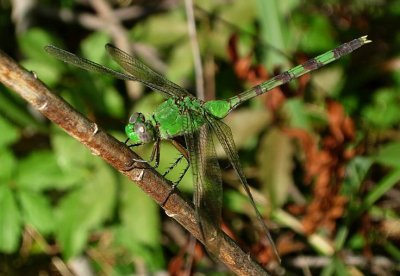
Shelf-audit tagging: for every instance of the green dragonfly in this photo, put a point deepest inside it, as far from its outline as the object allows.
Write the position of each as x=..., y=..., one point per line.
x=182, y=114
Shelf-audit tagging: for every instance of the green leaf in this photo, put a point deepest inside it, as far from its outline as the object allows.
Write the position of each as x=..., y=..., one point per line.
x=10, y=221
x=380, y=189
x=85, y=209
x=246, y=124
x=153, y=30
x=297, y=114
x=356, y=171
x=273, y=31
x=37, y=60
x=32, y=42
x=178, y=70
x=317, y=27
x=141, y=228
x=37, y=211
x=48, y=72
x=392, y=249
x=72, y=238
x=389, y=155
x=72, y=157
x=152, y=256
x=243, y=13
x=384, y=112
x=40, y=171
x=340, y=267
x=357, y=242
x=139, y=212
x=9, y=133
x=8, y=165
x=275, y=162
x=114, y=102
x=93, y=46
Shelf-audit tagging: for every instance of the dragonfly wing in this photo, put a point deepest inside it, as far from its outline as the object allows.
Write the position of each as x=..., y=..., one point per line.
x=85, y=63
x=208, y=184
x=145, y=74
x=225, y=137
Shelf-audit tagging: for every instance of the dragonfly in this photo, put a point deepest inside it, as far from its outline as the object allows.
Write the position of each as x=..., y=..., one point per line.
x=182, y=114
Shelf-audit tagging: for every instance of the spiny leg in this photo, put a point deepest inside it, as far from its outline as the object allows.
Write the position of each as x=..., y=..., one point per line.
x=173, y=165
x=181, y=176
x=184, y=153
x=155, y=154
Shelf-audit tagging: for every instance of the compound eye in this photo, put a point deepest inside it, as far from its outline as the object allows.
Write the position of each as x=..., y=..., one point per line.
x=145, y=132
x=140, y=128
x=136, y=118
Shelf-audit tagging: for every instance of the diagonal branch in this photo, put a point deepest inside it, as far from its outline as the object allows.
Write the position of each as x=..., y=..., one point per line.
x=115, y=153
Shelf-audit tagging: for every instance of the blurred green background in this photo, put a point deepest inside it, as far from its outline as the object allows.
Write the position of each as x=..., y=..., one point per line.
x=322, y=153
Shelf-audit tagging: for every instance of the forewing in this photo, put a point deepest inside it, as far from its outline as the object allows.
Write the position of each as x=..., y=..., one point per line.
x=145, y=74
x=224, y=136
x=207, y=184
x=85, y=63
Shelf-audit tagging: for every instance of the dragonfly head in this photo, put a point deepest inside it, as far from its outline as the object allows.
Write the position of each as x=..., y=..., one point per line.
x=139, y=130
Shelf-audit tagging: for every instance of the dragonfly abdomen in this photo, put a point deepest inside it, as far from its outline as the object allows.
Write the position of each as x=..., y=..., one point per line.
x=299, y=70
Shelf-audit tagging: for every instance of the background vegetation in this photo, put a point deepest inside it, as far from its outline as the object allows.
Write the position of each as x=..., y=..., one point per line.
x=322, y=154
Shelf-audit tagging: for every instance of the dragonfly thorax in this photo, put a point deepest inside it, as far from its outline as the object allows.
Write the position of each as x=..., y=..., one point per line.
x=139, y=130
x=178, y=116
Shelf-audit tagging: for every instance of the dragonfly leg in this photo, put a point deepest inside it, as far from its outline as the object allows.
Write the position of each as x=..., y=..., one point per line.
x=185, y=154
x=155, y=154
x=173, y=165
x=180, y=177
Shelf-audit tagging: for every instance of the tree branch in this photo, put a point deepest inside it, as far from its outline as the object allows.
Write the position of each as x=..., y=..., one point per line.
x=117, y=155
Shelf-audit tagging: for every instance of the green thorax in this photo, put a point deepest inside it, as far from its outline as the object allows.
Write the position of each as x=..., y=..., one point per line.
x=173, y=118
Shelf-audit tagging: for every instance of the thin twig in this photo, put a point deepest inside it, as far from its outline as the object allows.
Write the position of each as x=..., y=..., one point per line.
x=198, y=67
x=381, y=262
x=118, y=155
